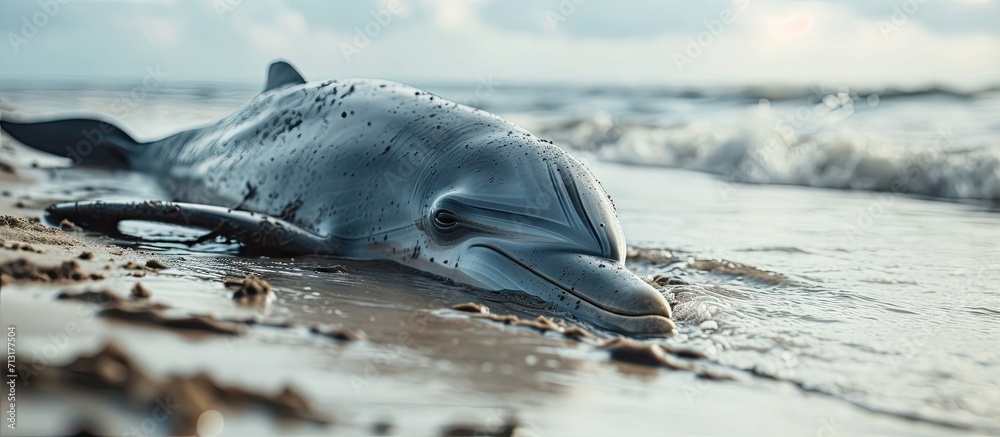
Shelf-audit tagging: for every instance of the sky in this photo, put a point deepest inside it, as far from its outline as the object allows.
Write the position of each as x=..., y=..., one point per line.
x=682, y=42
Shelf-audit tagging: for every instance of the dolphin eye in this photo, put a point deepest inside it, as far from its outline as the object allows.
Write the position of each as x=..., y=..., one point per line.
x=445, y=219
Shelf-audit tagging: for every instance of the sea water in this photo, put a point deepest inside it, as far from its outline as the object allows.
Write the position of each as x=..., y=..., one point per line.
x=878, y=210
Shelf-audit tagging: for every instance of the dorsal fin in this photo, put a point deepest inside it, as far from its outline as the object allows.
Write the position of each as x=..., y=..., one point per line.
x=282, y=73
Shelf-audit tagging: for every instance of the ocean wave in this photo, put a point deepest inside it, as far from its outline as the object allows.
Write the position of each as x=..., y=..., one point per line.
x=775, y=92
x=779, y=93
x=756, y=150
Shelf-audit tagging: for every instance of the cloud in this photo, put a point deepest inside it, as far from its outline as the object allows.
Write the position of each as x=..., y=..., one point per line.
x=515, y=41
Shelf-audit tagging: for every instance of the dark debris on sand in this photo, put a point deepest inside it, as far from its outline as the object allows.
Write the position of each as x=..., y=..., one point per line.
x=339, y=334
x=113, y=372
x=156, y=315
x=100, y=297
x=541, y=324
x=643, y=354
x=663, y=281
x=508, y=429
x=666, y=256
x=17, y=245
x=150, y=266
x=24, y=270
x=331, y=269
x=471, y=307
x=155, y=264
x=657, y=355
x=120, y=308
x=737, y=269
x=140, y=291
x=69, y=226
x=140, y=310
x=620, y=349
x=251, y=290
x=654, y=256
x=382, y=428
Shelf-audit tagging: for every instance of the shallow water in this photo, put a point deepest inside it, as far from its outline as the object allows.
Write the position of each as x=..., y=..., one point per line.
x=887, y=321
x=899, y=314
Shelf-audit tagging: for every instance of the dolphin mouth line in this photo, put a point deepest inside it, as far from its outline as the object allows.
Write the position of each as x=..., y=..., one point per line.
x=561, y=286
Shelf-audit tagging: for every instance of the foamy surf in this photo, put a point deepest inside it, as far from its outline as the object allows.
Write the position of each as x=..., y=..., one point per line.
x=926, y=142
x=755, y=149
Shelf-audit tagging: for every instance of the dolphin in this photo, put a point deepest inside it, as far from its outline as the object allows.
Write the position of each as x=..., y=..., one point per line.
x=377, y=170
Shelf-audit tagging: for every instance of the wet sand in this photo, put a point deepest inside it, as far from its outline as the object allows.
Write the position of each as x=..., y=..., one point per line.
x=316, y=346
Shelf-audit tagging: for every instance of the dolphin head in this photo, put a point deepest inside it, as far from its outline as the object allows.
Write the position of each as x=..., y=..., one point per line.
x=525, y=215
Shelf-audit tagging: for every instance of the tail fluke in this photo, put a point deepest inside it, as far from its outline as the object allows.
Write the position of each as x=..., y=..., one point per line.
x=87, y=142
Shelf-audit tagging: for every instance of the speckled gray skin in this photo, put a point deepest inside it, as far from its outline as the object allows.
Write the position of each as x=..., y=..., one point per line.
x=390, y=172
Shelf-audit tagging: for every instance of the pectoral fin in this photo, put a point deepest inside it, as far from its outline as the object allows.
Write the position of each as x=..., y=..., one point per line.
x=257, y=233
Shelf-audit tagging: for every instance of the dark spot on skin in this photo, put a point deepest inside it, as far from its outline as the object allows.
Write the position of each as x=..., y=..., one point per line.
x=288, y=212
x=343, y=114
x=251, y=193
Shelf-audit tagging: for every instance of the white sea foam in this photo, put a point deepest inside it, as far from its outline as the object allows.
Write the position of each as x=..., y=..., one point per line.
x=760, y=147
